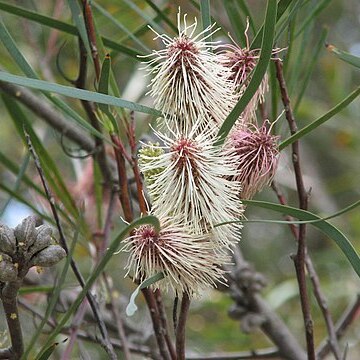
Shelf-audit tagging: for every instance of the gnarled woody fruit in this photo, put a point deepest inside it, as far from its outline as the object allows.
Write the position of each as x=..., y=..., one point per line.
x=7, y=240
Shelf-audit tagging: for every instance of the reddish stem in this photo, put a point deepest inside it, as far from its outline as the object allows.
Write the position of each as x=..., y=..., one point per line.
x=123, y=183
x=299, y=258
x=180, y=330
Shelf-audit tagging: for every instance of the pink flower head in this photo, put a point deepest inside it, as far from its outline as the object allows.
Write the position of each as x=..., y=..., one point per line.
x=188, y=262
x=257, y=153
x=241, y=61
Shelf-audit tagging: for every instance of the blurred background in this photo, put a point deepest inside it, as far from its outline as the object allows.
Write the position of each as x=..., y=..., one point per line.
x=317, y=81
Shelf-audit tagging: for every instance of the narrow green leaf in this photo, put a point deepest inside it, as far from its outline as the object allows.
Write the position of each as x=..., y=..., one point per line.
x=205, y=15
x=78, y=19
x=284, y=21
x=162, y=15
x=245, y=9
x=291, y=45
x=237, y=26
x=132, y=307
x=18, y=181
x=316, y=10
x=120, y=26
x=319, y=219
x=143, y=14
x=258, y=74
x=64, y=27
x=310, y=68
x=48, y=352
x=344, y=56
x=15, y=53
x=330, y=230
x=150, y=219
x=282, y=7
x=104, y=80
x=25, y=290
x=144, y=28
x=295, y=75
x=76, y=93
x=104, y=89
x=307, y=129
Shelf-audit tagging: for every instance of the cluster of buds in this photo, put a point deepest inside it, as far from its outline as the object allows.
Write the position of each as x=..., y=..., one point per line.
x=29, y=244
x=195, y=186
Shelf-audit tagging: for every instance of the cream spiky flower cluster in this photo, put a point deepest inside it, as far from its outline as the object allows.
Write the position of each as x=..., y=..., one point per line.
x=190, y=85
x=193, y=184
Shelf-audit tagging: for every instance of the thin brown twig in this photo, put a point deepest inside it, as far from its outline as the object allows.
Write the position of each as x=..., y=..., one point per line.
x=163, y=319
x=135, y=165
x=321, y=300
x=8, y=297
x=90, y=29
x=180, y=330
x=124, y=194
x=93, y=303
x=347, y=318
x=155, y=317
x=299, y=258
x=320, y=297
x=174, y=313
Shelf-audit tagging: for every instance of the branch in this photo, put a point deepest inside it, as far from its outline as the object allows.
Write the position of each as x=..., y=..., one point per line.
x=348, y=317
x=46, y=112
x=180, y=330
x=254, y=354
x=155, y=317
x=90, y=29
x=252, y=310
x=5, y=353
x=299, y=258
x=9, y=300
x=320, y=297
x=124, y=194
x=135, y=165
x=163, y=319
